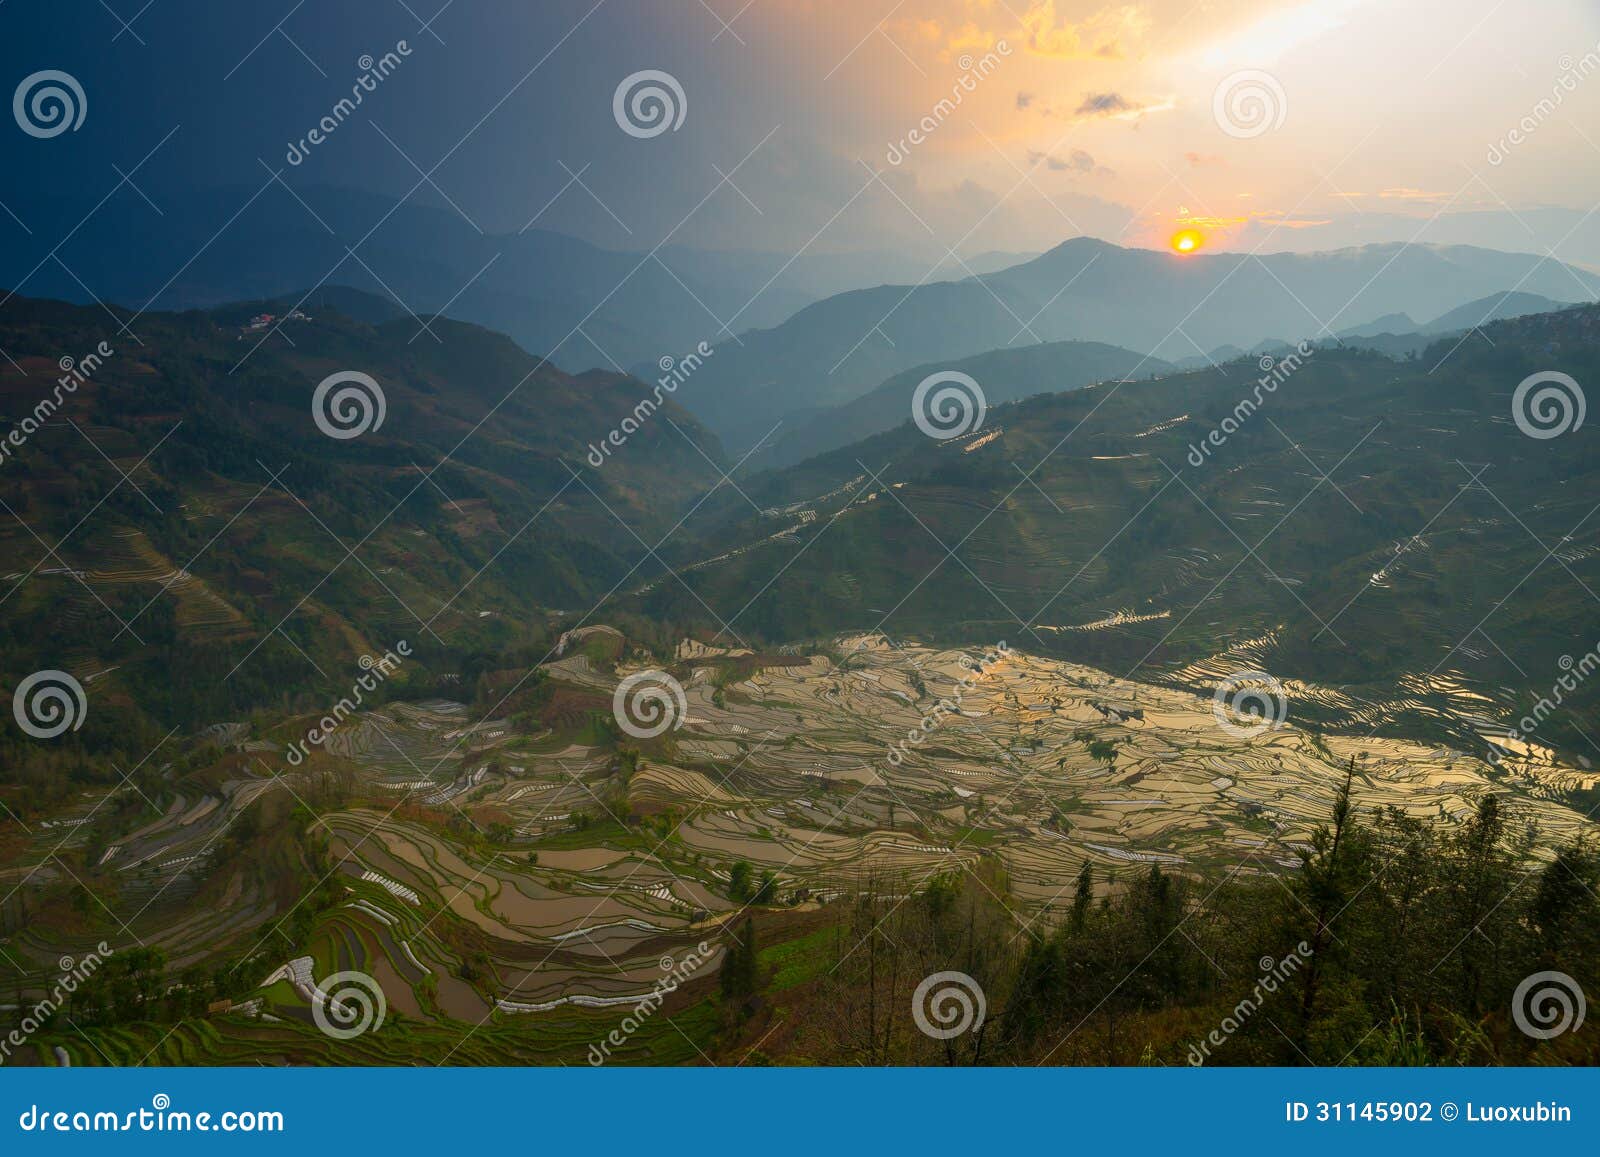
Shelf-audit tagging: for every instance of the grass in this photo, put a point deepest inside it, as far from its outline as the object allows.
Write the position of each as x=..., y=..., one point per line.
x=557, y=1037
x=797, y=961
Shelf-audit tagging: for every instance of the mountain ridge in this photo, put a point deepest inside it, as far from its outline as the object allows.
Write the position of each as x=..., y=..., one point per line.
x=836, y=350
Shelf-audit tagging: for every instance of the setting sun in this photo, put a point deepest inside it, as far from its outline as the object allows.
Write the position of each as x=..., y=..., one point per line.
x=1187, y=240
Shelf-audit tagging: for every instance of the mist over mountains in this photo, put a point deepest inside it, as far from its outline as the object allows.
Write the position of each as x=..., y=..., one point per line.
x=1159, y=304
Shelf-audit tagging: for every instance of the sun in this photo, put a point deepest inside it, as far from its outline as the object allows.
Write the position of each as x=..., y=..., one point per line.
x=1187, y=240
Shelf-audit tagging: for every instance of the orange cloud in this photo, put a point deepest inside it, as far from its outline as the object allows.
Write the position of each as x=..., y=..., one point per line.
x=1404, y=194
x=1110, y=33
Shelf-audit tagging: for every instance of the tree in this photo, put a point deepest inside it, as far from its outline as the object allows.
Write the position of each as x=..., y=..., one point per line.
x=1326, y=883
x=739, y=971
x=1082, y=896
x=739, y=889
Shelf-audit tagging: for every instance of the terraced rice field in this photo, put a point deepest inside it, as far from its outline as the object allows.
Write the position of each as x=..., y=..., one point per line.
x=871, y=766
x=828, y=797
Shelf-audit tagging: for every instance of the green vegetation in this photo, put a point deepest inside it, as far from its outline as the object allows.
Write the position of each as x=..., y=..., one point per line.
x=1340, y=594
x=488, y=839
x=1397, y=943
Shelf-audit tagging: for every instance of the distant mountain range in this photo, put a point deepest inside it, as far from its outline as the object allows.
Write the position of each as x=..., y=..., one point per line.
x=793, y=336
x=578, y=304
x=1087, y=524
x=1075, y=519
x=1396, y=334
x=1004, y=375
x=838, y=349
x=1495, y=307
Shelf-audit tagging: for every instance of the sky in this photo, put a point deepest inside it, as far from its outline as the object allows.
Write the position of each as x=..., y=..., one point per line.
x=1356, y=121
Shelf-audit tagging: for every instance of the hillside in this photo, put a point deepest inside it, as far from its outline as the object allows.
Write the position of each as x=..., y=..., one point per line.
x=1005, y=375
x=1158, y=303
x=183, y=515
x=502, y=840
x=1337, y=537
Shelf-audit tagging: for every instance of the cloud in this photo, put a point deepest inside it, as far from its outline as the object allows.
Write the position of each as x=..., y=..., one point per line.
x=1106, y=105
x=1277, y=218
x=1112, y=106
x=1402, y=193
x=1076, y=161
x=1103, y=104
x=1110, y=33
x=949, y=39
x=1406, y=194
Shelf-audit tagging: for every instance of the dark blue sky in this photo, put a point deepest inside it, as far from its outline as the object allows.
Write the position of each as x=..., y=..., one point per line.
x=1099, y=117
x=538, y=76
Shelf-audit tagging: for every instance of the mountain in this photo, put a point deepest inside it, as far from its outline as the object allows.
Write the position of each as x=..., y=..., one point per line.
x=1103, y=526
x=1495, y=307
x=1388, y=323
x=580, y=305
x=499, y=811
x=189, y=527
x=1003, y=375
x=837, y=349
x=1397, y=336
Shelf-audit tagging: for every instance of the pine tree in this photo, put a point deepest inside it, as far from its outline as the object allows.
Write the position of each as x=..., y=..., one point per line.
x=1082, y=897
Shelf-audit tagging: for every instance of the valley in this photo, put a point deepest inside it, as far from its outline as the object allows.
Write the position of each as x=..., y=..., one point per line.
x=488, y=875
x=650, y=736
